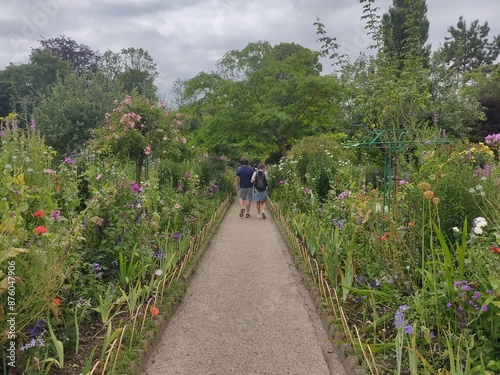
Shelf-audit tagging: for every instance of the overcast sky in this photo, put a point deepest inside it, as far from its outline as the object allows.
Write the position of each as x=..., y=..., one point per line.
x=185, y=37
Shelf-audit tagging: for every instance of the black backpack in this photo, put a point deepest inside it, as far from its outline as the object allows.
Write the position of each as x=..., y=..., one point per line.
x=260, y=182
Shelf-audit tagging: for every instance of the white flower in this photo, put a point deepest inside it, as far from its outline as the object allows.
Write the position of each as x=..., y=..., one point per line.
x=477, y=230
x=456, y=230
x=158, y=272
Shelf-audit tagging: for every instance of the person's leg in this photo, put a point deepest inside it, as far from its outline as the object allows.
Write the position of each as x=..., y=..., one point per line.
x=257, y=205
x=248, y=202
x=263, y=208
x=241, y=200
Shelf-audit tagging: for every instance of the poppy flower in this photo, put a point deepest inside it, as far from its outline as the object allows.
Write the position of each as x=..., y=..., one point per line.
x=495, y=249
x=384, y=236
x=154, y=311
x=56, y=301
x=38, y=214
x=40, y=230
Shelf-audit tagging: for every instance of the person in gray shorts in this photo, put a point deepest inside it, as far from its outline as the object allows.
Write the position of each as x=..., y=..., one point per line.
x=244, y=186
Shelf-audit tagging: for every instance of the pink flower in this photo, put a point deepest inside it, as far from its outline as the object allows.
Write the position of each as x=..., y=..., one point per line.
x=55, y=215
x=147, y=150
x=98, y=177
x=184, y=140
x=307, y=190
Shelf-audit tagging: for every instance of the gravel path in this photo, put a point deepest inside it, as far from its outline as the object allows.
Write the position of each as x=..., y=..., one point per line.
x=245, y=311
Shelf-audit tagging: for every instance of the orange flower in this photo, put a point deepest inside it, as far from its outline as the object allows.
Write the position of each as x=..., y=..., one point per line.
x=384, y=236
x=154, y=311
x=38, y=213
x=40, y=230
x=411, y=224
x=56, y=301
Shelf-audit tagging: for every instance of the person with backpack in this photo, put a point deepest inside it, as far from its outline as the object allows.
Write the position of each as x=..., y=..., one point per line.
x=244, y=186
x=260, y=188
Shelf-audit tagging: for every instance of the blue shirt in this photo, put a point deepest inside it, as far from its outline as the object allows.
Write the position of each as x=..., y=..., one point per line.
x=245, y=173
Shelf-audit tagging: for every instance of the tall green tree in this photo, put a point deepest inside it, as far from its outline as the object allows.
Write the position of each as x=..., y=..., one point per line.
x=469, y=48
x=265, y=99
x=82, y=57
x=23, y=86
x=405, y=29
x=77, y=104
x=133, y=68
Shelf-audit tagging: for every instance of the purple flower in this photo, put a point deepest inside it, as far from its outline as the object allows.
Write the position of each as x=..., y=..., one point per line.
x=435, y=117
x=176, y=235
x=476, y=295
x=134, y=187
x=409, y=329
x=344, y=194
x=448, y=305
x=307, y=190
x=55, y=215
x=68, y=160
x=33, y=124
x=484, y=308
x=282, y=182
x=427, y=142
x=34, y=330
x=478, y=171
x=492, y=139
x=466, y=288
x=399, y=319
x=96, y=266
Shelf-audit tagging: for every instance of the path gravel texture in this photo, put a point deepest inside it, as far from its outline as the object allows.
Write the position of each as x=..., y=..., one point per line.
x=245, y=310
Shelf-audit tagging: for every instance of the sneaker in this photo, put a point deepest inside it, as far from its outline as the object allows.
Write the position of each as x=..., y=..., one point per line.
x=247, y=216
x=258, y=216
x=242, y=211
x=263, y=215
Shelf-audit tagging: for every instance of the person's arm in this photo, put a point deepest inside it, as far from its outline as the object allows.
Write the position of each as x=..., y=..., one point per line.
x=237, y=182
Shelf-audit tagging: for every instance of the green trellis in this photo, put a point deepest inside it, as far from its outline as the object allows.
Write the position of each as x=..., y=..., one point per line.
x=391, y=141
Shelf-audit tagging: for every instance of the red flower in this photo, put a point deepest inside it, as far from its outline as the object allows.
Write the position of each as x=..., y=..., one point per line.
x=411, y=224
x=495, y=249
x=154, y=311
x=56, y=301
x=384, y=236
x=38, y=213
x=40, y=230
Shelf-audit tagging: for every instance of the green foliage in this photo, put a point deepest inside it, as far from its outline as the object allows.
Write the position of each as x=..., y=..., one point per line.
x=467, y=49
x=77, y=105
x=272, y=95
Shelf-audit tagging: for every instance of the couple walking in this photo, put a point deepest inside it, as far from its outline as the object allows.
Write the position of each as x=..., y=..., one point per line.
x=251, y=185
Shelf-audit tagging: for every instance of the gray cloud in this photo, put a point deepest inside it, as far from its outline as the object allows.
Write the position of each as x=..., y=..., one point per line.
x=185, y=37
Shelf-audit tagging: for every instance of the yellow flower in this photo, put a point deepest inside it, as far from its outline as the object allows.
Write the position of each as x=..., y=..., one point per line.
x=435, y=200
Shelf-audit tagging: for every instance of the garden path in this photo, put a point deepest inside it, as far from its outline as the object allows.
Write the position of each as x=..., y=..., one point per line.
x=245, y=311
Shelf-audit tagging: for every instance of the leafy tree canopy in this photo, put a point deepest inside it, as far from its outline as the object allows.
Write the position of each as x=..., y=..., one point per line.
x=76, y=105
x=81, y=56
x=468, y=48
x=262, y=99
